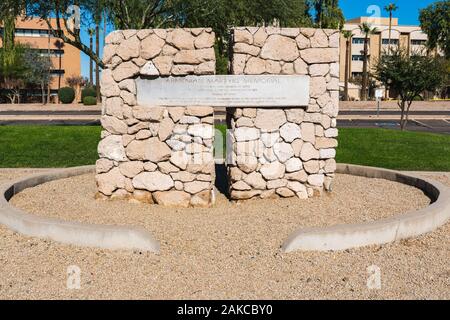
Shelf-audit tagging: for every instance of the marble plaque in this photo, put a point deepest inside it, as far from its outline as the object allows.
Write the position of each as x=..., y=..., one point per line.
x=225, y=91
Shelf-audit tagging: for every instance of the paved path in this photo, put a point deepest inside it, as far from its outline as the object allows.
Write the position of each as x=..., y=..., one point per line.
x=425, y=116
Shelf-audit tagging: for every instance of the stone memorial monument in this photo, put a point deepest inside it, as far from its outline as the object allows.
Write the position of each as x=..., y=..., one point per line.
x=158, y=90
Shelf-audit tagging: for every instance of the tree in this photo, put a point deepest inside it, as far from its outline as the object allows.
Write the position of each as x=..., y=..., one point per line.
x=91, y=32
x=12, y=71
x=60, y=45
x=434, y=21
x=410, y=76
x=348, y=40
x=76, y=83
x=38, y=71
x=65, y=27
x=367, y=30
x=391, y=7
x=328, y=14
x=138, y=14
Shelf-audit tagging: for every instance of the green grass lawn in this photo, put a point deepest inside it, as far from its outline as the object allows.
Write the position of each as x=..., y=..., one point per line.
x=66, y=146
x=48, y=146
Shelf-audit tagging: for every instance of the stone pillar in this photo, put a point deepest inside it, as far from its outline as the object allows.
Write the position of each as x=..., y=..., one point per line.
x=155, y=154
x=277, y=151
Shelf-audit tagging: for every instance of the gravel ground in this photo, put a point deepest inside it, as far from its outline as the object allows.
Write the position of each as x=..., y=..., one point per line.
x=231, y=252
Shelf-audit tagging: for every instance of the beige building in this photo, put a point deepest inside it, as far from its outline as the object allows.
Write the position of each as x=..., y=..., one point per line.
x=411, y=38
x=66, y=59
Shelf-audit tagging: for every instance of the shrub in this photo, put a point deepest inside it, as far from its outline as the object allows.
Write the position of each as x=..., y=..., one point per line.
x=66, y=95
x=88, y=92
x=90, y=101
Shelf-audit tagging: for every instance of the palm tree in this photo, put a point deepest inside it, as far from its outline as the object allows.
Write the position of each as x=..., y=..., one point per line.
x=59, y=44
x=97, y=52
x=391, y=7
x=367, y=30
x=91, y=32
x=348, y=37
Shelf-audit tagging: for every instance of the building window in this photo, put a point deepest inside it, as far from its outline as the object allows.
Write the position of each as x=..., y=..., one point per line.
x=29, y=32
x=356, y=74
x=57, y=72
x=393, y=41
x=359, y=40
x=357, y=57
x=55, y=53
x=418, y=42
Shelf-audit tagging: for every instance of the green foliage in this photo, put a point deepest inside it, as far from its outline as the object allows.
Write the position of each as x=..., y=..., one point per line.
x=328, y=14
x=38, y=68
x=89, y=101
x=435, y=22
x=88, y=92
x=410, y=76
x=13, y=71
x=66, y=95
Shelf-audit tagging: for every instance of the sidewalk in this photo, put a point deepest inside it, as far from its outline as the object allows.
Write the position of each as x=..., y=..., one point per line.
x=78, y=113
x=392, y=105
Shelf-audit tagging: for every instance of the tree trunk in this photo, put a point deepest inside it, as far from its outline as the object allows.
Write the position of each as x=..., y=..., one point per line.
x=9, y=32
x=402, y=117
x=48, y=84
x=59, y=74
x=390, y=30
x=347, y=68
x=43, y=92
x=364, y=76
x=91, y=62
x=105, y=25
x=97, y=68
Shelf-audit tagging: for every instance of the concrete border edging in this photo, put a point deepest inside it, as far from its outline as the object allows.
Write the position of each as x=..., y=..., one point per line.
x=67, y=232
x=412, y=224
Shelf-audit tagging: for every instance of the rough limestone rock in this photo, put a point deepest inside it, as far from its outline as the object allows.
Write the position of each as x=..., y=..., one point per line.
x=283, y=151
x=308, y=132
x=273, y=170
x=153, y=181
x=181, y=39
x=316, y=180
x=151, y=46
x=320, y=55
x=309, y=152
x=172, y=198
x=278, y=47
x=270, y=119
x=125, y=70
x=255, y=180
x=107, y=183
x=103, y=165
x=196, y=186
x=203, y=199
x=290, y=131
x=149, y=69
x=165, y=129
x=109, y=88
x=293, y=164
x=246, y=134
x=131, y=169
x=129, y=48
x=112, y=148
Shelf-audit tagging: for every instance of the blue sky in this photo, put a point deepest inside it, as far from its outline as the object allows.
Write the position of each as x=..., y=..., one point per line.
x=408, y=14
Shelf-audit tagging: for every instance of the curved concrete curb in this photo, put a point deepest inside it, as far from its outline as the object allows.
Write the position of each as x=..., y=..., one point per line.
x=75, y=233
x=412, y=224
